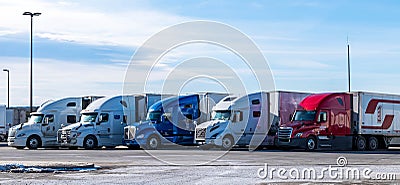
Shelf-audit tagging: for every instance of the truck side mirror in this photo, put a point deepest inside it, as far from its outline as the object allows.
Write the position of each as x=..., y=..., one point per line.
x=46, y=121
x=100, y=120
x=322, y=117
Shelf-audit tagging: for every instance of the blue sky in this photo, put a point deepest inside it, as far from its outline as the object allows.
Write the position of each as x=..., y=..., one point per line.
x=83, y=48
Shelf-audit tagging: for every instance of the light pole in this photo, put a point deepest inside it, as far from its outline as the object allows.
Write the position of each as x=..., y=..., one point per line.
x=31, y=81
x=348, y=64
x=8, y=87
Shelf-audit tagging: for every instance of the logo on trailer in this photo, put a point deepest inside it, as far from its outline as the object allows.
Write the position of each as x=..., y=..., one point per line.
x=387, y=121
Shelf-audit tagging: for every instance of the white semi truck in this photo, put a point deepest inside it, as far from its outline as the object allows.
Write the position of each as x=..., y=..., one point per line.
x=103, y=121
x=248, y=120
x=41, y=129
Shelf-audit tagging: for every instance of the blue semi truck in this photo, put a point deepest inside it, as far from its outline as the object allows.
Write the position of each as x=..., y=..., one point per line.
x=171, y=121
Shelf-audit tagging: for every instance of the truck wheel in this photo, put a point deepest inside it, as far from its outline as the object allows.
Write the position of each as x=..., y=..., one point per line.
x=90, y=143
x=153, y=143
x=33, y=142
x=361, y=143
x=373, y=143
x=311, y=143
x=227, y=142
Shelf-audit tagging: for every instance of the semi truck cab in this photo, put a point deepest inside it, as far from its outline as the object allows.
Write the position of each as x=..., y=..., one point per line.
x=322, y=122
x=168, y=120
x=102, y=123
x=171, y=121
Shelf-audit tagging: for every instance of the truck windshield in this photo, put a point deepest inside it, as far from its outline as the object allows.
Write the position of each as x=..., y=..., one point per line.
x=304, y=115
x=154, y=116
x=89, y=117
x=36, y=118
x=222, y=115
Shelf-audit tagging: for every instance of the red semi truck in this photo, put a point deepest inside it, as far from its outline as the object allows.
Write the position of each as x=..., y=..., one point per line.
x=343, y=121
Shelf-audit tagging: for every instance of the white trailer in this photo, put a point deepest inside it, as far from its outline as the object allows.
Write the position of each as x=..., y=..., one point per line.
x=3, y=124
x=378, y=119
x=247, y=120
x=41, y=129
x=103, y=121
x=15, y=116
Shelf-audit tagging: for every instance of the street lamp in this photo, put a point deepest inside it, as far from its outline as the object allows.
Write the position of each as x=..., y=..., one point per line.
x=8, y=87
x=31, y=86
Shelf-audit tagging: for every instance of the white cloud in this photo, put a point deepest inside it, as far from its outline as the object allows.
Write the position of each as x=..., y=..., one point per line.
x=63, y=21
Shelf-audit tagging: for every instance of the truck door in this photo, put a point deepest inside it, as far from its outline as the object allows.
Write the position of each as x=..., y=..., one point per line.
x=103, y=127
x=325, y=129
x=165, y=126
x=117, y=128
x=48, y=126
x=238, y=124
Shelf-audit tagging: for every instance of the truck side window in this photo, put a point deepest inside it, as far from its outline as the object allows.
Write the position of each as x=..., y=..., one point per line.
x=188, y=106
x=71, y=119
x=256, y=114
x=71, y=104
x=123, y=103
x=104, y=117
x=340, y=101
x=322, y=117
x=255, y=102
x=50, y=117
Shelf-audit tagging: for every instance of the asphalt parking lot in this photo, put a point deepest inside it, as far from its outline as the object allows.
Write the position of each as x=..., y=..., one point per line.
x=196, y=166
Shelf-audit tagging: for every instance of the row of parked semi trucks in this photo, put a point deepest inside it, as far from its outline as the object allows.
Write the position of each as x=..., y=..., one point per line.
x=340, y=121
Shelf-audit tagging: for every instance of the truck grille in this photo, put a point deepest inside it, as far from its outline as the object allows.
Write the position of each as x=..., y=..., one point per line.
x=129, y=132
x=65, y=136
x=284, y=134
x=200, y=133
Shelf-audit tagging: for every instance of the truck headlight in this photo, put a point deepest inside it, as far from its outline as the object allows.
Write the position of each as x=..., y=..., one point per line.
x=21, y=135
x=141, y=136
x=298, y=135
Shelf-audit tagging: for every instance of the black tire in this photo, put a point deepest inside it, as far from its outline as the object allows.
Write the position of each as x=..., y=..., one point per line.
x=3, y=138
x=90, y=142
x=153, y=143
x=361, y=143
x=311, y=143
x=227, y=142
x=33, y=142
x=373, y=143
